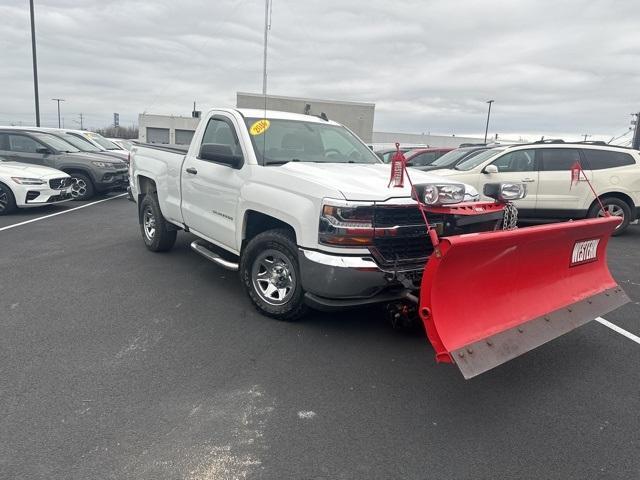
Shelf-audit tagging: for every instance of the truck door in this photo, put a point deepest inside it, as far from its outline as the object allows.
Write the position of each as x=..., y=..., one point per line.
x=518, y=166
x=210, y=190
x=557, y=196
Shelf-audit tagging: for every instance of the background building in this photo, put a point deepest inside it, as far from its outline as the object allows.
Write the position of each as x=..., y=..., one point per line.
x=168, y=129
x=356, y=116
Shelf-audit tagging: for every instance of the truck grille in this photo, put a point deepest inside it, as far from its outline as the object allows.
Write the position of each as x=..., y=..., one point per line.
x=402, y=250
x=409, y=243
x=59, y=183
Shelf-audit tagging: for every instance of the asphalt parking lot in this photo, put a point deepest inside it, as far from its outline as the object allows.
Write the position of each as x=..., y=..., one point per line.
x=116, y=362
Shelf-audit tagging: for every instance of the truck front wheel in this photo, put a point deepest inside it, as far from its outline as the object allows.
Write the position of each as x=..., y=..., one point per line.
x=157, y=234
x=271, y=275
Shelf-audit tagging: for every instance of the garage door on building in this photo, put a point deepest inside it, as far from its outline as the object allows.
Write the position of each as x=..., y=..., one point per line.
x=157, y=135
x=183, y=137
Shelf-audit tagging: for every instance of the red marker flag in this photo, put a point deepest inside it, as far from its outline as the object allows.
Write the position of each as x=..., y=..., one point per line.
x=397, y=169
x=575, y=174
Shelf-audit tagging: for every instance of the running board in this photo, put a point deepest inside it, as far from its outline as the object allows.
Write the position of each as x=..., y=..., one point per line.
x=200, y=248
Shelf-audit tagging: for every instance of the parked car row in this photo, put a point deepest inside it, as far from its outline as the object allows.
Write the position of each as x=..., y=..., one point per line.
x=545, y=167
x=35, y=157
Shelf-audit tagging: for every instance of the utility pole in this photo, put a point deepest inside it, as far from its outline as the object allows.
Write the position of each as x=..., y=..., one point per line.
x=81, y=124
x=635, y=143
x=58, y=100
x=585, y=135
x=267, y=27
x=486, y=129
x=35, y=63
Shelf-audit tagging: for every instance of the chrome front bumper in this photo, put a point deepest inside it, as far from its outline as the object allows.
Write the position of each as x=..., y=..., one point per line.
x=334, y=281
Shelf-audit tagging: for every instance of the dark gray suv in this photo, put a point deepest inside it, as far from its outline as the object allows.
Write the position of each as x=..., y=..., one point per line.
x=93, y=173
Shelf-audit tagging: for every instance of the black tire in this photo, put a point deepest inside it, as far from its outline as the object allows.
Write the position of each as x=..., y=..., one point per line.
x=157, y=233
x=280, y=246
x=7, y=200
x=617, y=206
x=82, y=188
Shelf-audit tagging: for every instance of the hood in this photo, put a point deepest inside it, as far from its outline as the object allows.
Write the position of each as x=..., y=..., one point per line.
x=28, y=170
x=366, y=182
x=95, y=157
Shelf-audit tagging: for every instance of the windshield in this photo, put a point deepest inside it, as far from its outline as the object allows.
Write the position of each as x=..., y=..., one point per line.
x=285, y=141
x=103, y=142
x=452, y=157
x=80, y=143
x=476, y=160
x=55, y=142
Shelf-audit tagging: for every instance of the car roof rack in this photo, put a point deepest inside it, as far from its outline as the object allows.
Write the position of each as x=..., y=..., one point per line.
x=594, y=142
x=549, y=140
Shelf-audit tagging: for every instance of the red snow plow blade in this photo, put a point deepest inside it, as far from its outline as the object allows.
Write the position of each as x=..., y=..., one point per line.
x=515, y=290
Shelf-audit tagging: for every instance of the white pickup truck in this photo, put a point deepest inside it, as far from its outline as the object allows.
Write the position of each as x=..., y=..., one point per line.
x=298, y=204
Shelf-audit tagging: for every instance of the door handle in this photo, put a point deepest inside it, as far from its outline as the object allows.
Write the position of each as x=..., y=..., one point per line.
x=192, y=170
x=528, y=180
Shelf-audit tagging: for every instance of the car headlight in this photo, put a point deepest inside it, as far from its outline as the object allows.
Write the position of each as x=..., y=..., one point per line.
x=440, y=193
x=505, y=192
x=103, y=164
x=28, y=181
x=346, y=223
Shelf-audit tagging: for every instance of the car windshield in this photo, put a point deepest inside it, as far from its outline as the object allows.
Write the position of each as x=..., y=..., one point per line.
x=103, y=142
x=478, y=159
x=80, y=143
x=55, y=142
x=279, y=141
x=452, y=157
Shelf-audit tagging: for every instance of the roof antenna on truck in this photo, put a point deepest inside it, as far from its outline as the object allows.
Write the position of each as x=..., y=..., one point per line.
x=267, y=27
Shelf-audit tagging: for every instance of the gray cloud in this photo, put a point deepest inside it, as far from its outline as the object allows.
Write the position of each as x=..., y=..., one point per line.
x=568, y=67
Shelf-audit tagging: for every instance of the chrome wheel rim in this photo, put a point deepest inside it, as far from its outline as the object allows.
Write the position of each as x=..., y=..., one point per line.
x=4, y=200
x=273, y=277
x=149, y=223
x=79, y=188
x=614, y=211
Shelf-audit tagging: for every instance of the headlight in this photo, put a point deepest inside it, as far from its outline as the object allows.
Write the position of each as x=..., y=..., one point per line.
x=346, y=223
x=103, y=164
x=28, y=181
x=505, y=192
x=440, y=193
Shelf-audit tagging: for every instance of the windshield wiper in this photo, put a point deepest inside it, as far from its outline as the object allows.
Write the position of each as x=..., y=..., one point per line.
x=282, y=162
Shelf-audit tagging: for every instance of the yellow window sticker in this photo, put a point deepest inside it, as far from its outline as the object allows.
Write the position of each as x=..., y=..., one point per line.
x=259, y=127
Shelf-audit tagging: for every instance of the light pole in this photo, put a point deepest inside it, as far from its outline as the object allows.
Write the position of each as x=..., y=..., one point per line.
x=58, y=100
x=35, y=63
x=486, y=128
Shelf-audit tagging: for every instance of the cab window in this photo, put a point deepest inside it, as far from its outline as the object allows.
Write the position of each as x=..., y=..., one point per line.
x=220, y=132
x=518, y=161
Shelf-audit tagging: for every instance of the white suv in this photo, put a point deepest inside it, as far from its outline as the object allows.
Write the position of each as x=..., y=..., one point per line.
x=545, y=167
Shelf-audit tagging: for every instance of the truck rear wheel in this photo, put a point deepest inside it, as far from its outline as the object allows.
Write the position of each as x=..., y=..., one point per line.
x=271, y=275
x=156, y=232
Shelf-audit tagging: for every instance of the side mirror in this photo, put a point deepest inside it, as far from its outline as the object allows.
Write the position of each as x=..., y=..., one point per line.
x=223, y=154
x=43, y=150
x=490, y=169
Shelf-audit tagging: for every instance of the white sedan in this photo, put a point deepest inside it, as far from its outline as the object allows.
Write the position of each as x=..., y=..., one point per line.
x=24, y=186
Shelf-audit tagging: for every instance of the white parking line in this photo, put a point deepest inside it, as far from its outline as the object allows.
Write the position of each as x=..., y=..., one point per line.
x=60, y=213
x=616, y=328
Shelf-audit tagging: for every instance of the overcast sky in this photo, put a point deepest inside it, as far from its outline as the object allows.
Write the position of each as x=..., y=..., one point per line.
x=553, y=67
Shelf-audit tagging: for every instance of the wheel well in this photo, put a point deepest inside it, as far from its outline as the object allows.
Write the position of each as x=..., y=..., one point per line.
x=257, y=222
x=71, y=171
x=624, y=197
x=147, y=185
